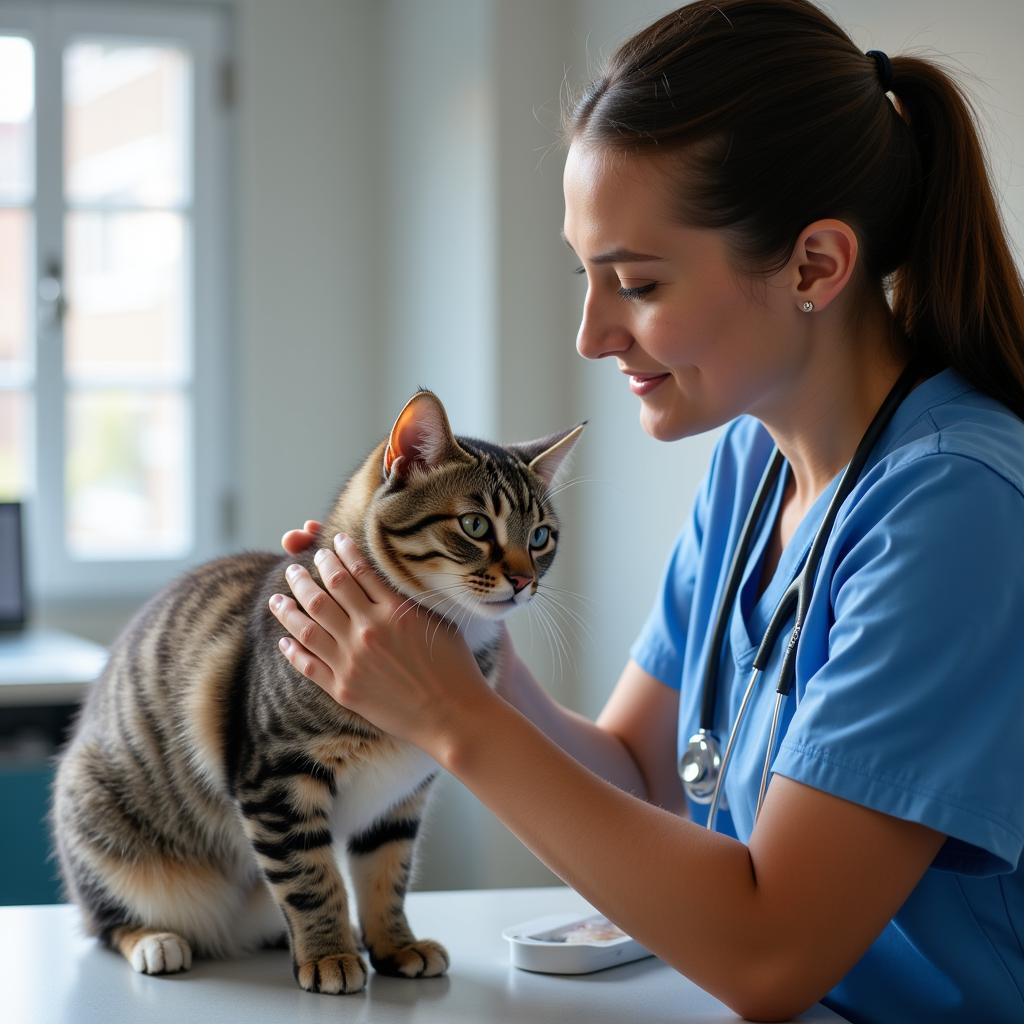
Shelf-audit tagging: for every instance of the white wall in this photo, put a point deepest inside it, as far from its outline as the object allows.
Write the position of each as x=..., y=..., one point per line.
x=398, y=207
x=307, y=243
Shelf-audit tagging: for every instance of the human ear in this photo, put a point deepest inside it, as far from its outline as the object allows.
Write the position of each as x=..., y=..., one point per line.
x=823, y=260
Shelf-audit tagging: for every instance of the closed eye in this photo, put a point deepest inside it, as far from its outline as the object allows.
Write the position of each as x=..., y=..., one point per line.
x=628, y=293
x=637, y=293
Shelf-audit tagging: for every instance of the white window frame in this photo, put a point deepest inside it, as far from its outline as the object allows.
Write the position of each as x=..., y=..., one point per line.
x=202, y=31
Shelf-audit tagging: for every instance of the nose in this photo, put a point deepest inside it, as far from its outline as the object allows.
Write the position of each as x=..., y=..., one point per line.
x=597, y=336
x=518, y=582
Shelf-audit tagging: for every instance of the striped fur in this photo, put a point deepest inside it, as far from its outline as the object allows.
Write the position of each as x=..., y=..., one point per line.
x=209, y=792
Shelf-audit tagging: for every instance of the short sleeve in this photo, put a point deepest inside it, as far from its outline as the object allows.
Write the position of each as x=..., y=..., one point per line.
x=918, y=709
x=660, y=646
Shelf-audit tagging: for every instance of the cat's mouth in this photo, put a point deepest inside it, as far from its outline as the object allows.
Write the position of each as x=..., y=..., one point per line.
x=490, y=608
x=498, y=606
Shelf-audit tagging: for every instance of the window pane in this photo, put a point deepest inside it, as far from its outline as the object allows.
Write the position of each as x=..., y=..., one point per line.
x=14, y=447
x=126, y=306
x=17, y=101
x=14, y=268
x=126, y=111
x=126, y=474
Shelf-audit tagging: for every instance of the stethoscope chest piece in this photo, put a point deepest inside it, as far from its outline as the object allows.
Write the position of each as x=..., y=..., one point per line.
x=699, y=766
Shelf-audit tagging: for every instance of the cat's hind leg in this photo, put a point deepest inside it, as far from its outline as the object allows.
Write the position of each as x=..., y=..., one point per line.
x=158, y=912
x=152, y=951
x=380, y=861
x=126, y=866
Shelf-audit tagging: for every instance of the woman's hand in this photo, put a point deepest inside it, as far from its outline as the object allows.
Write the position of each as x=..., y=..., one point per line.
x=378, y=653
x=295, y=541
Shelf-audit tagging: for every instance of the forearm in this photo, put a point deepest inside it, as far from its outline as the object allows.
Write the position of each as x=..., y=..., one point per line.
x=686, y=894
x=603, y=753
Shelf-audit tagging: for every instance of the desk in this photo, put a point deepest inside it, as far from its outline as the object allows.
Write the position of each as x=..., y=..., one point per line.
x=47, y=666
x=51, y=974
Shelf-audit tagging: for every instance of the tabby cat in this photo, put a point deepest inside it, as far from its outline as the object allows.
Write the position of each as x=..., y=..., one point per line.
x=208, y=787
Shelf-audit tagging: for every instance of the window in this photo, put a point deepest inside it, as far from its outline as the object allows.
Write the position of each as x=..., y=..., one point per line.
x=113, y=411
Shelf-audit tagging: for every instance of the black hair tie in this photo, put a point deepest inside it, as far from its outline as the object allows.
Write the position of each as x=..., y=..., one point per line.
x=884, y=68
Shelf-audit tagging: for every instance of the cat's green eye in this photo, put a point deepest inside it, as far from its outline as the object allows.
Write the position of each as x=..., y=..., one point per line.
x=476, y=525
x=540, y=536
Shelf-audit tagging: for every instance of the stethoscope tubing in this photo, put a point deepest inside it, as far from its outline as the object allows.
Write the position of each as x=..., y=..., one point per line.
x=773, y=732
x=716, y=796
x=797, y=595
x=709, y=687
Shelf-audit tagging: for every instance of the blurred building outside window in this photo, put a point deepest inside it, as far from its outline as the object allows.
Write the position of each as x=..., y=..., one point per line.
x=100, y=264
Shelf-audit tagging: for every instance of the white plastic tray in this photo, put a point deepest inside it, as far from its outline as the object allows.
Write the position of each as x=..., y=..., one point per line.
x=570, y=944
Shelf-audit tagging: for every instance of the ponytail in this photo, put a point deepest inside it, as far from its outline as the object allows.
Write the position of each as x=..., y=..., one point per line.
x=959, y=295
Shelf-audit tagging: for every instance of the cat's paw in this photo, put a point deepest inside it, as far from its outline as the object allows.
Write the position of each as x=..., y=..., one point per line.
x=161, y=953
x=335, y=975
x=424, y=958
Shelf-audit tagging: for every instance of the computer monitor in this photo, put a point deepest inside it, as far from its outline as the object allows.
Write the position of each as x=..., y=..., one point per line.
x=12, y=567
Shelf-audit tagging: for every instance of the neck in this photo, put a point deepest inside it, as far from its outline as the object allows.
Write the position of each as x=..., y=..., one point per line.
x=819, y=417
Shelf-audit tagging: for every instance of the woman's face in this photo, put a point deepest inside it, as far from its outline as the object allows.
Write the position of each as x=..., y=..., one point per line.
x=696, y=345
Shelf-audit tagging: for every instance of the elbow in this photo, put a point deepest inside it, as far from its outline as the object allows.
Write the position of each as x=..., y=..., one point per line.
x=770, y=1008
x=773, y=993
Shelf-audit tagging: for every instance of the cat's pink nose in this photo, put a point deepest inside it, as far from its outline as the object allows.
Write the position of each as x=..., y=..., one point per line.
x=518, y=582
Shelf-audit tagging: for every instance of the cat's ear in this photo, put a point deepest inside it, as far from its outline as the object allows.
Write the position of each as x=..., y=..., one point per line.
x=421, y=436
x=547, y=456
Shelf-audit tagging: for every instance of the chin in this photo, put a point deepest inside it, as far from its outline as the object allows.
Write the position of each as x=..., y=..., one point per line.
x=663, y=426
x=678, y=418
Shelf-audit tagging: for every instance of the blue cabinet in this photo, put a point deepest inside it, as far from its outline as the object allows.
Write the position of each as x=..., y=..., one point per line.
x=29, y=740
x=28, y=866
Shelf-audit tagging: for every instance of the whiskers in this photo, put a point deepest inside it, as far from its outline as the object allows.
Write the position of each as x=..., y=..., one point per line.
x=561, y=625
x=442, y=594
x=431, y=600
x=557, y=619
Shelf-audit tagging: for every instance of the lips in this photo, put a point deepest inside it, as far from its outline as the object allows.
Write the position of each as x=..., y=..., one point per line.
x=642, y=383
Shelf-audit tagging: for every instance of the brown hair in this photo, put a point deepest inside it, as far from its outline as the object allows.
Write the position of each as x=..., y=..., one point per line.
x=780, y=120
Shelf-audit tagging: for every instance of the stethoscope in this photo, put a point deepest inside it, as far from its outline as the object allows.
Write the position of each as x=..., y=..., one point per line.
x=703, y=767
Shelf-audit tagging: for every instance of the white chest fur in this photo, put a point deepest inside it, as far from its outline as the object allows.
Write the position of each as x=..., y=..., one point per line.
x=366, y=792
x=480, y=632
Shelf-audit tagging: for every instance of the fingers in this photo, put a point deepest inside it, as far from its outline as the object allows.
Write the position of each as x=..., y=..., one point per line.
x=296, y=541
x=324, y=620
x=310, y=634
x=306, y=663
x=374, y=588
x=342, y=584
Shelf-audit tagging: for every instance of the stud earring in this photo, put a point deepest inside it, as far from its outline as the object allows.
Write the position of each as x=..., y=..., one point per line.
x=808, y=306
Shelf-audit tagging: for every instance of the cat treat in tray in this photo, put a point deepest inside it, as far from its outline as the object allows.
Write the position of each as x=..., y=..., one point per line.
x=570, y=944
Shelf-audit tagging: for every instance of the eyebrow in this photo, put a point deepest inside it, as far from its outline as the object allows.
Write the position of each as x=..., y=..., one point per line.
x=618, y=255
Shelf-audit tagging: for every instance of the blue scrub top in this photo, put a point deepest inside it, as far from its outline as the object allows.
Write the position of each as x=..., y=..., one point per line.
x=909, y=693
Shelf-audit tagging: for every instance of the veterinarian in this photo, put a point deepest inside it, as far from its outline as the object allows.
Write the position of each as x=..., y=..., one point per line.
x=797, y=240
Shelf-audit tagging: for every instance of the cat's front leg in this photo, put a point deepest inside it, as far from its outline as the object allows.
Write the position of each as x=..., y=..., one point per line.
x=380, y=860
x=284, y=802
